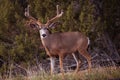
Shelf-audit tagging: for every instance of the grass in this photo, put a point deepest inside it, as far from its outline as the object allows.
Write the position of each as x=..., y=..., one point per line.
x=108, y=73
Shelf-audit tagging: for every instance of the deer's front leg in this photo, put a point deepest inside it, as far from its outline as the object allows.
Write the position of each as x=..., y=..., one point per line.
x=61, y=66
x=52, y=61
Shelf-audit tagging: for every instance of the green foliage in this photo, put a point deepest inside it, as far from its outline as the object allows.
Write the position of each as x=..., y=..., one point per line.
x=17, y=43
x=2, y=49
x=88, y=24
x=21, y=44
x=112, y=17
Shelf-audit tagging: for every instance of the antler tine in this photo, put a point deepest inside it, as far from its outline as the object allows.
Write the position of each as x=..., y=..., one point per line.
x=56, y=17
x=32, y=19
x=27, y=11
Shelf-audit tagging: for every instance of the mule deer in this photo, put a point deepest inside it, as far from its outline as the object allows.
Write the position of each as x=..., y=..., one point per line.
x=60, y=44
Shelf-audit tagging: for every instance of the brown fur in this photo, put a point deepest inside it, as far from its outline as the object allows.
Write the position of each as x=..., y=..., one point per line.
x=61, y=44
x=67, y=42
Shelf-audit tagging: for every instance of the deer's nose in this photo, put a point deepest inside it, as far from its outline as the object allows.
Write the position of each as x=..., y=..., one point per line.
x=43, y=35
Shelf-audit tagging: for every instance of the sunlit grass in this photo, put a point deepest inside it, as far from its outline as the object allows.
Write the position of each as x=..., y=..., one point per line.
x=94, y=74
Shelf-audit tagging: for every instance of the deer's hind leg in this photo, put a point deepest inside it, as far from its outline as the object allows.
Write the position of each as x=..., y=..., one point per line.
x=85, y=54
x=77, y=62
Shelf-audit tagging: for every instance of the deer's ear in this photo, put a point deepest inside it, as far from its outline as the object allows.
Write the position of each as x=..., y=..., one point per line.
x=35, y=26
x=53, y=25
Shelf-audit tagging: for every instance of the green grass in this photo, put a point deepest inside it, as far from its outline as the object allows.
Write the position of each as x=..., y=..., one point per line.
x=95, y=74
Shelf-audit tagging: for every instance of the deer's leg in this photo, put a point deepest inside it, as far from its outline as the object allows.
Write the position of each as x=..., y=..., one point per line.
x=85, y=54
x=78, y=62
x=61, y=65
x=52, y=60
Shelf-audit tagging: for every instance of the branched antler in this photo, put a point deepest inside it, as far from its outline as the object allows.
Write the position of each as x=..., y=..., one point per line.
x=56, y=17
x=35, y=21
x=32, y=19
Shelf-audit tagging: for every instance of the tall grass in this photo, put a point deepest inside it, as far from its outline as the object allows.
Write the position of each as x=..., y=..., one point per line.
x=105, y=73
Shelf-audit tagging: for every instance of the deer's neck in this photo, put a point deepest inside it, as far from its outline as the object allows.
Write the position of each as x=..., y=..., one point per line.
x=44, y=35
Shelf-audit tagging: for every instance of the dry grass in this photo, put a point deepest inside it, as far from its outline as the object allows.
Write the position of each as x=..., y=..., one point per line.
x=107, y=73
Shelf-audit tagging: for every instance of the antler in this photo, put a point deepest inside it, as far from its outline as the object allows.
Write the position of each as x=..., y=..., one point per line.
x=56, y=17
x=32, y=19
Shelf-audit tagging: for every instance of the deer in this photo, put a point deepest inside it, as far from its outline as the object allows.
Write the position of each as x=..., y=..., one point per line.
x=60, y=43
